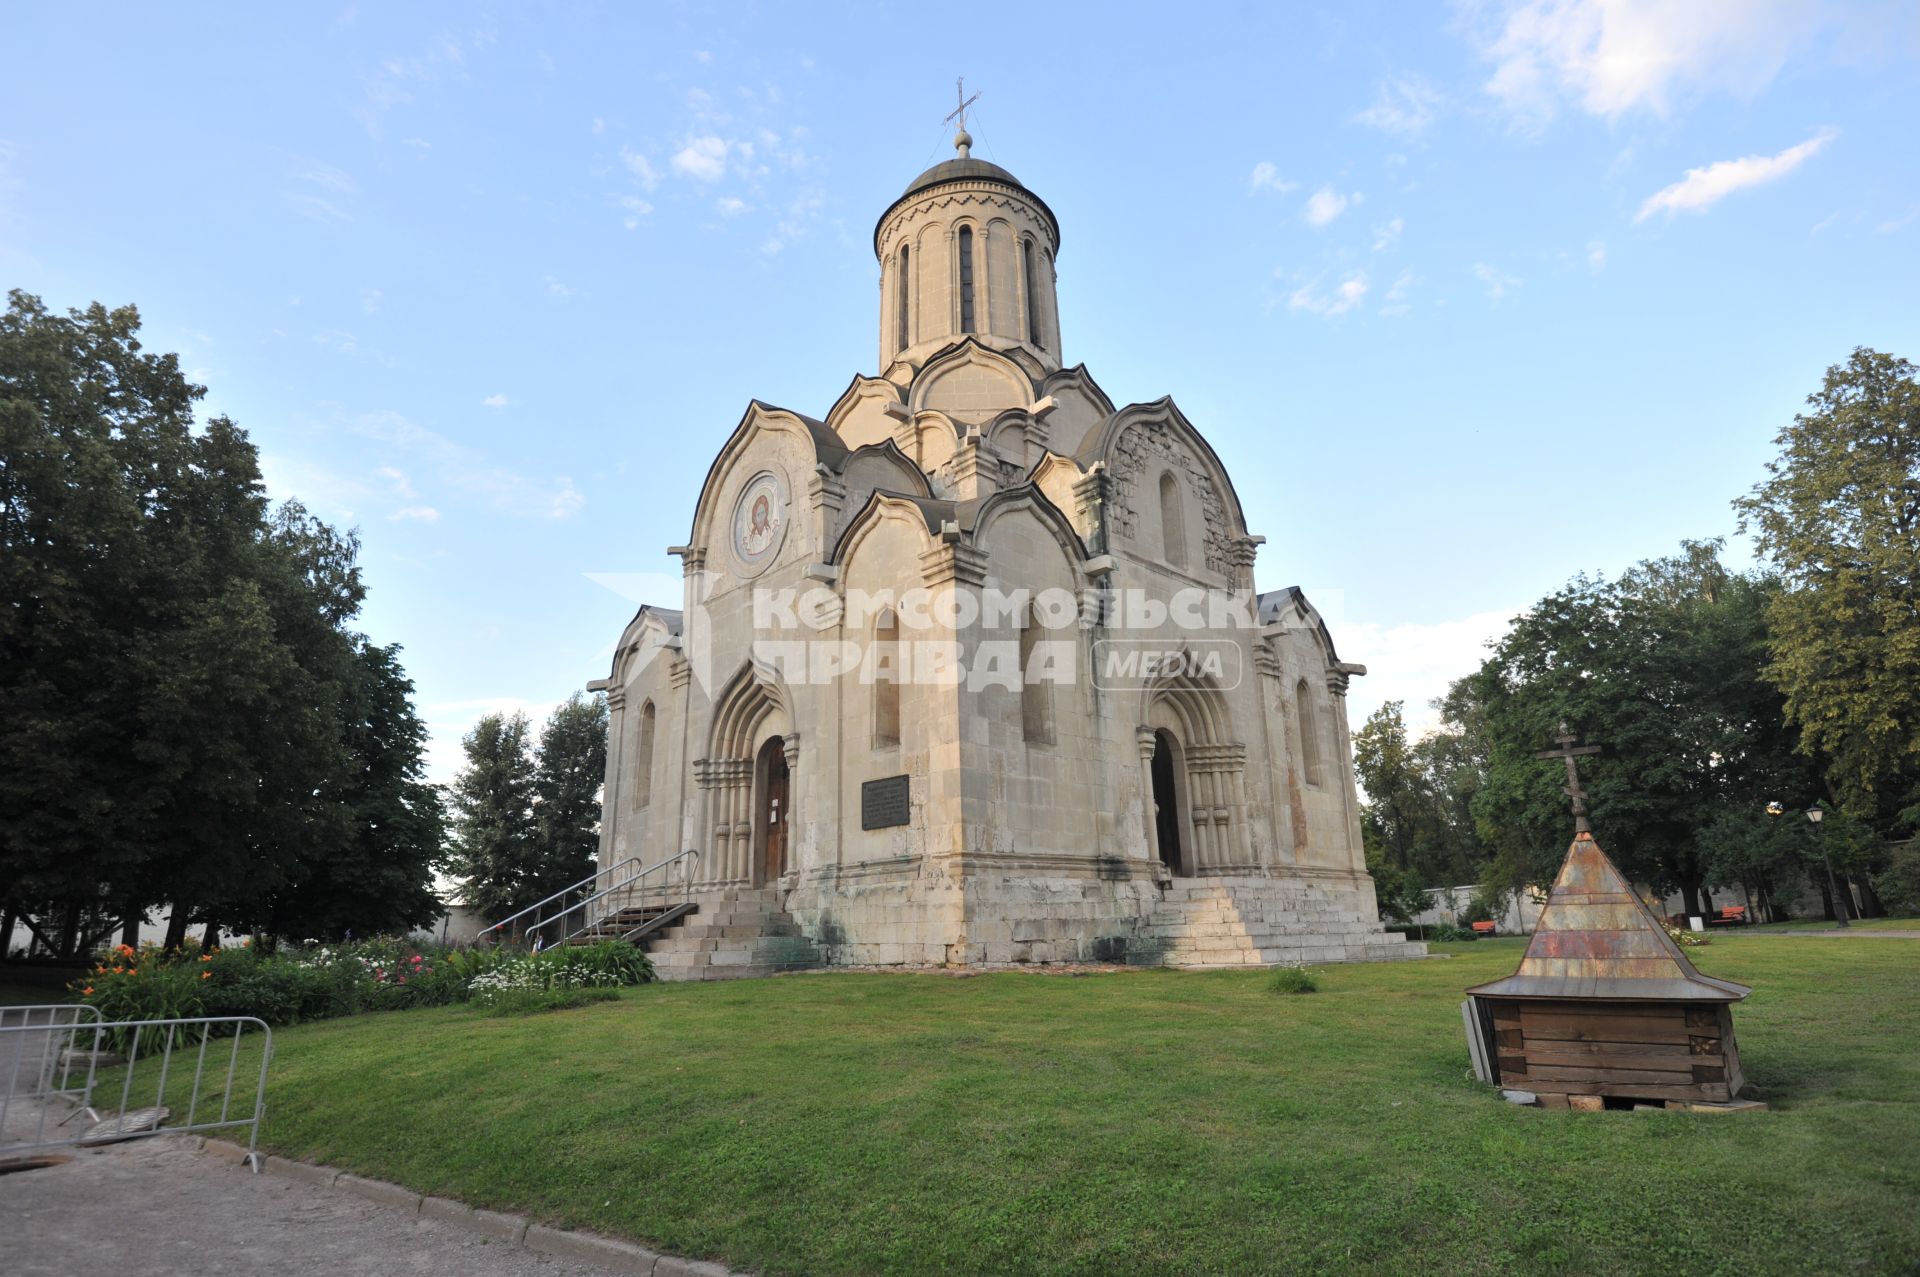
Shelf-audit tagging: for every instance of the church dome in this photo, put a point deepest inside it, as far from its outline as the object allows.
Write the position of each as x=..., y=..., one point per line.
x=967, y=250
x=955, y=170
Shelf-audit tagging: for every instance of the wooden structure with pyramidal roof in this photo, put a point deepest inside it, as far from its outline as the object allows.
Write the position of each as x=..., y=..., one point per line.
x=1605, y=1003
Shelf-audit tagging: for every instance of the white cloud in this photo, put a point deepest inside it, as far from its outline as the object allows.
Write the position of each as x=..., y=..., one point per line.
x=1403, y=106
x=461, y=469
x=1385, y=237
x=417, y=143
x=703, y=158
x=1701, y=188
x=370, y=300
x=1596, y=256
x=322, y=192
x=342, y=342
x=632, y=208
x=598, y=126
x=400, y=79
x=420, y=513
x=402, y=485
x=494, y=401
x=1416, y=663
x=1610, y=57
x=1398, y=299
x=1324, y=205
x=1349, y=293
x=641, y=167
x=1498, y=283
x=557, y=290
x=1267, y=178
x=322, y=490
x=730, y=206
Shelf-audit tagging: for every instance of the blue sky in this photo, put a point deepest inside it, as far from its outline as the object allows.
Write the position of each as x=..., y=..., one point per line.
x=1468, y=298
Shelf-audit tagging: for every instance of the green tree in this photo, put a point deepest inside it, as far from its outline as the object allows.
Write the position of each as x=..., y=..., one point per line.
x=1839, y=517
x=568, y=776
x=1400, y=810
x=377, y=877
x=1417, y=816
x=497, y=850
x=1663, y=668
x=174, y=658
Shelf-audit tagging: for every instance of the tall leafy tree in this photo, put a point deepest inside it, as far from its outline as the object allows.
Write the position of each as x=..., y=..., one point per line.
x=1664, y=668
x=567, y=778
x=497, y=851
x=378, y=877
x=1417, y=817
x=1839, y=517
x=1400, y=813
x=176, y=668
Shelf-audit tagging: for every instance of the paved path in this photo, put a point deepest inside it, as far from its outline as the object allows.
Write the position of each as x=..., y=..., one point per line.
x=160, y=1207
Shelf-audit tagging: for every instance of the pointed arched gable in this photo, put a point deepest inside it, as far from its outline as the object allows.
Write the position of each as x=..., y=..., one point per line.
x=924, y=515
x=649, y=636
x=1029, y=497
x=1141, y=443
x=971, y=383
x=867, y=412
x=1079, y=408
x=1289, y=609
x=768, y=439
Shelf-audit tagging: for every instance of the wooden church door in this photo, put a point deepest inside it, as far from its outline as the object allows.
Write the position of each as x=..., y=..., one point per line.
x=778, y=809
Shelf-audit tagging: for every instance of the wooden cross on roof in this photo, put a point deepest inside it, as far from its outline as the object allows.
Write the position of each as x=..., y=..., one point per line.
x=959, y=113
x=1570, y=751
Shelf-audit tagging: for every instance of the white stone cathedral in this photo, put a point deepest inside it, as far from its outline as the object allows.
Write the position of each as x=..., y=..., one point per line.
x=972, y=671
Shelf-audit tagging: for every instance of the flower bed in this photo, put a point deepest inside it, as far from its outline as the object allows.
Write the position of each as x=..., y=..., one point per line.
x=322, y=981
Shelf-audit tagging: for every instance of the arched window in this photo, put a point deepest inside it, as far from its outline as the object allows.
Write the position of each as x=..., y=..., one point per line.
x=1036, y=696
x=1309, y=732
x=1034, y=334
x=966, y=279
x=1173, y=521
x=886, y=679
x=901, y=307
x=643, y=759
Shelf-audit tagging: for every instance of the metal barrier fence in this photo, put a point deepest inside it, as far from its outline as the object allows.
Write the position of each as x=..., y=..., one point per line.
x=54, y=1057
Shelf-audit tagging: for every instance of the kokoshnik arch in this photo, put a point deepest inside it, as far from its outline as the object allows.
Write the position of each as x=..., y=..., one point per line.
x=1194, y=812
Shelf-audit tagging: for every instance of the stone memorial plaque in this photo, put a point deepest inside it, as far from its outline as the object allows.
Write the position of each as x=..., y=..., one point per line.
x=884, y=803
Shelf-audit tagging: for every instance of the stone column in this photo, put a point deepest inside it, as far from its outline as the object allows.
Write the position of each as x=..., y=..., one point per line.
x=1145, y=740
x=1337, y=678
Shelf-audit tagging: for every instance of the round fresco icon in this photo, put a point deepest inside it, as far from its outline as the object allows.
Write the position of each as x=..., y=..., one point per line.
x=759, y=520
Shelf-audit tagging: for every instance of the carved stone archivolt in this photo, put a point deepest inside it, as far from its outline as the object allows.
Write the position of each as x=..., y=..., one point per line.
x=1138, y=457
x=959, y=199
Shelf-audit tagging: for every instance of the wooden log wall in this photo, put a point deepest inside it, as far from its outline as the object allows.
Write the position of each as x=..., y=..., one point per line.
x=1635, y=1050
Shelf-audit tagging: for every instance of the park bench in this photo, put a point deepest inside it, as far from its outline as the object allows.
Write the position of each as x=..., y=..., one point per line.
x=1483, y=928
x=1729, y=916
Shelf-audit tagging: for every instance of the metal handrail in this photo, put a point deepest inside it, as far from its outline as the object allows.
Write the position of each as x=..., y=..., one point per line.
x=627, y=885
x=566, y=890
x=691, y=855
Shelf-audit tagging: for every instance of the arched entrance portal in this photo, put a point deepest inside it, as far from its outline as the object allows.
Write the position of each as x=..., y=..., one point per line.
x=776, y=809
x=1166, y=799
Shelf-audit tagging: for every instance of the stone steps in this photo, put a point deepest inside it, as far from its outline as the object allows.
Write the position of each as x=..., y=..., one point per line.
x=738, y=933
x=1254, y=922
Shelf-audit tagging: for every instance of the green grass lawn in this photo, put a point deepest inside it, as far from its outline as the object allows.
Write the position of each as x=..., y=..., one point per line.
x=1821, y=924
x=1142, y=1122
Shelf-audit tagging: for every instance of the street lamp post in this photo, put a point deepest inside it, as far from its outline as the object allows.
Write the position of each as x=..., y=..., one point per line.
x=1815, y=814
x=1840, y=902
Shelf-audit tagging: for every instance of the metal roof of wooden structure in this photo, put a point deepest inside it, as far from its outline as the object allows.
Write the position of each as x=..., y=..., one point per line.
x=1597, y=939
